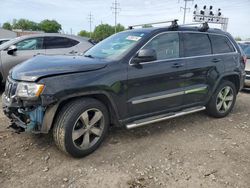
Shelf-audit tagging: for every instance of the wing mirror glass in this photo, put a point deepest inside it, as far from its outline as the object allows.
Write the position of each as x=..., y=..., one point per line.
x=12, y=49
x=145, y=55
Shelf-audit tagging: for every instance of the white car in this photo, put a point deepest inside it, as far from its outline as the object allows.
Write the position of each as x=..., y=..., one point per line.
x=4, y=40
x=245, y=45
x=25, y=47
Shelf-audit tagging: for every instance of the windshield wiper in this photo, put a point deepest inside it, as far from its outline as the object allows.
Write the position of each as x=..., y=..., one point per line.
x=90, y=56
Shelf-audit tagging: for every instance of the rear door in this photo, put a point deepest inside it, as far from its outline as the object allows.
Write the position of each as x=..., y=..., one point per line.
x=157, y=86
x=26, y=49
x=224, y=51
x=203, y=68
x=55, y=45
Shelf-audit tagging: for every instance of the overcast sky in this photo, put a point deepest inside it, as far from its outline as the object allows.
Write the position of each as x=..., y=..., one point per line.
x=74, y=13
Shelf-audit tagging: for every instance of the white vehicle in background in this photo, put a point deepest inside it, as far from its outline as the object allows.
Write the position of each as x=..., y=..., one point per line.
x=245, y=45
x=4, y=40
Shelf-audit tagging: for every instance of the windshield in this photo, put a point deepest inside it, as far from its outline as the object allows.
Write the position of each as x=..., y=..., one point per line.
x=246, y=48
x=115, y=46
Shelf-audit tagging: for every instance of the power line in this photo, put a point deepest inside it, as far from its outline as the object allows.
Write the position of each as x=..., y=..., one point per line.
x=90, y=20
x=185, y=10
x=116, y=8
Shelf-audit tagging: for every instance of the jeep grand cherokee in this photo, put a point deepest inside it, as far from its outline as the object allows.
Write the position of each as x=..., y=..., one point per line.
x=130, y=79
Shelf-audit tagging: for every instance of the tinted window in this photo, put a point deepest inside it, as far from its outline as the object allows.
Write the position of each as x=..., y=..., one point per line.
x=30, y=44
x=59, y=42
x=221, y=44
x=246, y=49
x=196, y=44
x=165, y=45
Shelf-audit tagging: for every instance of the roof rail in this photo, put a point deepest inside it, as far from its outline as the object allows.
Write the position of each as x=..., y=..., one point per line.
x=174, y=24
x=203, y=26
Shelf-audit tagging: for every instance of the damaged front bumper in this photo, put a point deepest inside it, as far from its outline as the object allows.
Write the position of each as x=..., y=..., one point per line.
x=28, y=119
x=34, y=116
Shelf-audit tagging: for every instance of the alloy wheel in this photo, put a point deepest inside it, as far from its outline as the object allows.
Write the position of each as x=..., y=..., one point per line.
x=88, y=129
x=225, y=99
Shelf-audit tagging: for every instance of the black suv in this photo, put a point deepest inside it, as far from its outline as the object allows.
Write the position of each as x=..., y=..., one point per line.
x=133, y=78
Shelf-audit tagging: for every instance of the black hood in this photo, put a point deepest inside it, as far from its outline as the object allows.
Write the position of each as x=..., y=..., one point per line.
x=43, y=66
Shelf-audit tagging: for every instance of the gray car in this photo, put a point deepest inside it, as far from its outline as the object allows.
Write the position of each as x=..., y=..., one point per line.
x=23, y=48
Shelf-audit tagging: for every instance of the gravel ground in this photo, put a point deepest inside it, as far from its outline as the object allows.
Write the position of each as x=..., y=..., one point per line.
x=191, y=151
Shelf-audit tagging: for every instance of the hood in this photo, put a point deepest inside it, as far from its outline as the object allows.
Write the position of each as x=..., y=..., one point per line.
x=43, y=66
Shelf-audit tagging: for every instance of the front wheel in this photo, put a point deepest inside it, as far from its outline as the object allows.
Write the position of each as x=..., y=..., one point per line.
x=81, y=126
x=223, y=100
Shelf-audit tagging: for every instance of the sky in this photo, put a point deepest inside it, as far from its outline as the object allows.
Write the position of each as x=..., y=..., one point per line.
x=73, y=14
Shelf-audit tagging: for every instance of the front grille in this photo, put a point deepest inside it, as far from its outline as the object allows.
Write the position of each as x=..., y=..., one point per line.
x=248, y=72
x=10, y=88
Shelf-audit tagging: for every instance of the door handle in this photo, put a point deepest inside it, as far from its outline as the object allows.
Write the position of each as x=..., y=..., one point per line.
x=216, y=60
x=177, y=65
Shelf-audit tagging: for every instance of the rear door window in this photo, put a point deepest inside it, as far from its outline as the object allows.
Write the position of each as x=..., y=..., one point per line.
x=221, y=44
x=59, y=42
x=196, y=44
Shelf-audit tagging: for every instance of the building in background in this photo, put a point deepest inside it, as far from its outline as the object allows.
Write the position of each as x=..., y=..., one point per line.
x=21, y=32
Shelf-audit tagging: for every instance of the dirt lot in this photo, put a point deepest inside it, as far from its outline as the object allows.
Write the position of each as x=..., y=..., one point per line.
x=191, y=151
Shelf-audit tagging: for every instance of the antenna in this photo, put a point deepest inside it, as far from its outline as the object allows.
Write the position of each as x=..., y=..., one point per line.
x=116, y=9
x=90, y=20
x=185, y=10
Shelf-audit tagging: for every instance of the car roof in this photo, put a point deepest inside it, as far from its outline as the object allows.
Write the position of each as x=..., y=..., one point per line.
x=14, y=40
x=244, y=42
x=179, y=28
x=54, y=35
x=2, y=39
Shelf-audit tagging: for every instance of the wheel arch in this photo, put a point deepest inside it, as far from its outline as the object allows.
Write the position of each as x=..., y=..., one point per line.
x=233, y=77
x=52, y=111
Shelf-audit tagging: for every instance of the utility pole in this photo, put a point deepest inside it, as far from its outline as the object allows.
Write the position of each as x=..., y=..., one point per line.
x=185, y=10
x=116, y=9
x=90, y=20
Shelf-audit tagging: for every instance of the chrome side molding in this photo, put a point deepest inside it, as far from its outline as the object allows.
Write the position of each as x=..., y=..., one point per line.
x=165, y=117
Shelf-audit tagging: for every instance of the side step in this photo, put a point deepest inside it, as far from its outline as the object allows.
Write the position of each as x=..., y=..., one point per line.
x=155, y=119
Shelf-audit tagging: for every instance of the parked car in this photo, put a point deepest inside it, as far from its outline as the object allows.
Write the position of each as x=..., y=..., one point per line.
x=133, y=78
x=22, y=48
x=245, y=45
x=3, y=41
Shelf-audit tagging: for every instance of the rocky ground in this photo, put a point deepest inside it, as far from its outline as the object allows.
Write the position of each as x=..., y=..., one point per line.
x=191, y=151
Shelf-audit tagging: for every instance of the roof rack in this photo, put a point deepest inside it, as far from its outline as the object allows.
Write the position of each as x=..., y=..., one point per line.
x=203, y=26
x=174, y=24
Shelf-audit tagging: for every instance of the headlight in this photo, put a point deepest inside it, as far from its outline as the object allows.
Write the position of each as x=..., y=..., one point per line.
x=29, y=90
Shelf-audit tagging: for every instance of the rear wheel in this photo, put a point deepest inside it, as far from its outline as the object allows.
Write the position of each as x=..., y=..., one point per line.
x=81, y=126
x=223, y=100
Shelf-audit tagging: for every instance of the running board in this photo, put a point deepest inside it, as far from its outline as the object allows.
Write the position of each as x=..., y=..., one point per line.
x=159, y=118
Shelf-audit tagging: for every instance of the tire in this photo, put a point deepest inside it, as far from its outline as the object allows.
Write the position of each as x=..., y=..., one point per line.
x=81, y=126
x=215, y=106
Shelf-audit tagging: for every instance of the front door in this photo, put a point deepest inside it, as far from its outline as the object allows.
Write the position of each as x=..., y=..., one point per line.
x=157, y=86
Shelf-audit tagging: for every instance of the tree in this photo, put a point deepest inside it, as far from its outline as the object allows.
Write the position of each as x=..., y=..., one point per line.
x=103, y=31
x=84, y=33
x=50, y=26
x=7, y=26
x=119, y=28
x=238, y=39
x=147, y=26
x=25, y=24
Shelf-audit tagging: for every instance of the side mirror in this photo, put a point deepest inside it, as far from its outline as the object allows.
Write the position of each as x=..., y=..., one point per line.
x=145, y=55
x=11, y=50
